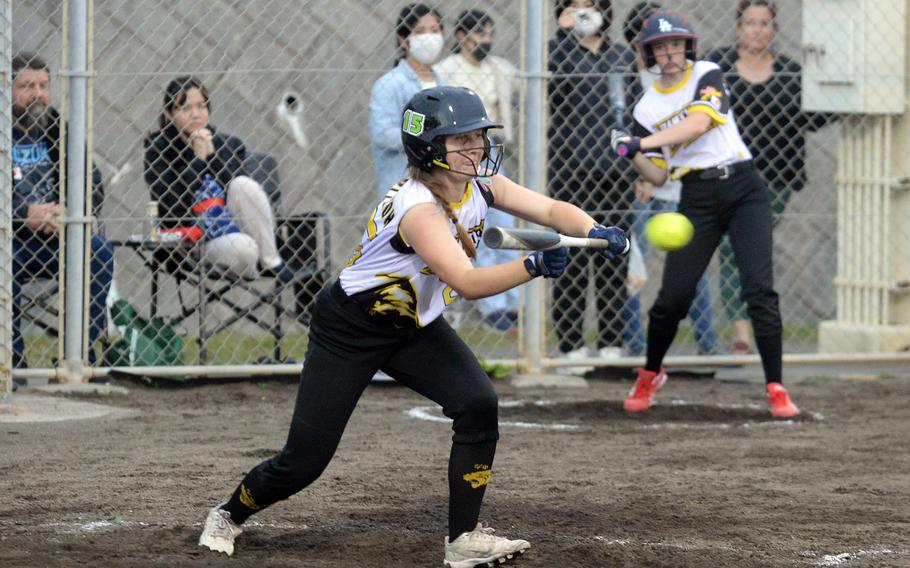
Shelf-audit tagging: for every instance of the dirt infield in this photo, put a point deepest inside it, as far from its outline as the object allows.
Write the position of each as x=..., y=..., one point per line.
x=705, y=479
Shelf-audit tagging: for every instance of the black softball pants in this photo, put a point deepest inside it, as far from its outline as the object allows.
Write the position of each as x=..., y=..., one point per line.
x=346, y=348
x=741, y=207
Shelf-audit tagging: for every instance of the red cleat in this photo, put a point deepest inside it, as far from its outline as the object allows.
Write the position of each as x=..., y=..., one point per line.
x=780, y=403
x=641, y=397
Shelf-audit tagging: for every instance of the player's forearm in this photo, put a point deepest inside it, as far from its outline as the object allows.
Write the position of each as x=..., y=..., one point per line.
x=536, y=208
x=477, y=283
x=687, y=130
x=650, y=171
x=569, y=219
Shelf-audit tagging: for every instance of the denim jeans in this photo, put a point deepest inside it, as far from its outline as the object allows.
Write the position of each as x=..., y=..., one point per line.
x=487, y=256
x=38, y=258
x=700, y=313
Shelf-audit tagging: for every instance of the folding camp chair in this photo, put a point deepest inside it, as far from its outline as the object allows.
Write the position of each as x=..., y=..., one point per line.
x=303, y=243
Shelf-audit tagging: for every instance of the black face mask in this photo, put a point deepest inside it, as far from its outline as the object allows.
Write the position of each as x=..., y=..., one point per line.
x=482, y=50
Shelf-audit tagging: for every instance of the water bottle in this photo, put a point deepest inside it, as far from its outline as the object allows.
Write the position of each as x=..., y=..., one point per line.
x=151, y=221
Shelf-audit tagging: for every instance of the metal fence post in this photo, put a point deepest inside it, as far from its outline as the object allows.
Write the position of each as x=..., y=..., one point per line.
x=533, y=147
x=75, y=189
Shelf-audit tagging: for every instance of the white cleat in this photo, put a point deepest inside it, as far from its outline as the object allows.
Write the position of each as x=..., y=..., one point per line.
x=480, y=547
x=219, y=531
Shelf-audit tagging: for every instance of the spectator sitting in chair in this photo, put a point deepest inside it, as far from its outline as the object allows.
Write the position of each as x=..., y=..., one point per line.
x=36, y=146
x=196, y=175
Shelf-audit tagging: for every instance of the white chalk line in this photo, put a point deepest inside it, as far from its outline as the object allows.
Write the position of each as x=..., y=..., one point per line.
x=426, y=413
x=108, y=525
x=843, y=558
x=839, y=559
x=432, y=414
x=816, y=416
x=663, y=544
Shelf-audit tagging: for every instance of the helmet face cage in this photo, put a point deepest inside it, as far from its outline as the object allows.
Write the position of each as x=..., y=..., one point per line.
x=489, y=164
x=433, y=114
x=666, y=24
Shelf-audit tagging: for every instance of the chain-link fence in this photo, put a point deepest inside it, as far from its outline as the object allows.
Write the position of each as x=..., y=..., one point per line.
x=238, y=149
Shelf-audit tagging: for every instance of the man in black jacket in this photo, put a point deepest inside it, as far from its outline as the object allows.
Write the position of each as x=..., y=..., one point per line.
x=36, y=146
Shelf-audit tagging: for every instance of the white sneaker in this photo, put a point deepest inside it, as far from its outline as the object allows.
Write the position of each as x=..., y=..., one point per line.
x=271, y=263
x=580, y=353
x=219, y=531
x=610, y=352
x=480, y=546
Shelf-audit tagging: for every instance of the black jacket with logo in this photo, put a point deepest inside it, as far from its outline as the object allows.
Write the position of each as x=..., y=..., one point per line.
x=35, y=159
x=174, y=173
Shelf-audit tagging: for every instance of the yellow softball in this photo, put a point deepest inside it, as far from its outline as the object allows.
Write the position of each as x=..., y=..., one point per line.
x=669, y=231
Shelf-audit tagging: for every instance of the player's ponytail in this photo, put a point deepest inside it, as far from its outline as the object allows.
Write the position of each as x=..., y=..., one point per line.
x=436, y=189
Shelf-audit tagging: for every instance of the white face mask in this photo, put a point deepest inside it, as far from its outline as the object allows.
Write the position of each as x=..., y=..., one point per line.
x=425, y=47
x=587, y=22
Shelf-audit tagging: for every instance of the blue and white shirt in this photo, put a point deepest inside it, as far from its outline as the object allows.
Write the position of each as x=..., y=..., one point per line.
x=390, y=94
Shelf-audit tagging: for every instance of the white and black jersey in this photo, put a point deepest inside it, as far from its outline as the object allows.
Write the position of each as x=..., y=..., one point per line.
x=387, y=277
x=702, y=89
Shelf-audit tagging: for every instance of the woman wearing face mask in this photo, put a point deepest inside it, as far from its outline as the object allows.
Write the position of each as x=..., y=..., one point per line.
x=419, y=43
x=492, y=78
x=766, y=90
x=473, y=66
x=581, y=170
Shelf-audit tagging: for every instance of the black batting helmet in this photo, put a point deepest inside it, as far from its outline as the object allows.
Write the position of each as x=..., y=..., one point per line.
x=666, y=24
x=436, y=112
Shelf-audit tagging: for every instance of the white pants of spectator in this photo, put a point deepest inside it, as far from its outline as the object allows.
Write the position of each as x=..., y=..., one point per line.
x=252, y=212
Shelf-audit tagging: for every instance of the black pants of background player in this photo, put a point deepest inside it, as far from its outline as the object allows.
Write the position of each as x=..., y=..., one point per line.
x=739, y=206
x=346, y=347
x=606, y=196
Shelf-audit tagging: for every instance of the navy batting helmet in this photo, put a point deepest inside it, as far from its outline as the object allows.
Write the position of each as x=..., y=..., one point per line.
x=666, y=24
x=442, y=111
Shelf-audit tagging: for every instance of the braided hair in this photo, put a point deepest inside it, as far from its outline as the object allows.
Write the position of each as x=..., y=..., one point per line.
x=435, y=187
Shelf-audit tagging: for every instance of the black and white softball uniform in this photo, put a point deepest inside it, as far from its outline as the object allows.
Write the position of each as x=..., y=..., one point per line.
x=384, y=313
x=721, y=192
x=386, y=277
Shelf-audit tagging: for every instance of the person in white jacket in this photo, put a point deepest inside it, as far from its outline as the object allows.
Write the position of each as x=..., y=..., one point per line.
x=493, y=78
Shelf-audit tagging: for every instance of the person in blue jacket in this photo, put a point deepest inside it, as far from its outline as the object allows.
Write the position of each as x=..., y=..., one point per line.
x=419, y=42
x=36, y=146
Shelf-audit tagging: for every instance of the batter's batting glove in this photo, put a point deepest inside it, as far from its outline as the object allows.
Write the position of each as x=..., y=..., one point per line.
x=624, y=144
x=619, y=242
x=547, y=263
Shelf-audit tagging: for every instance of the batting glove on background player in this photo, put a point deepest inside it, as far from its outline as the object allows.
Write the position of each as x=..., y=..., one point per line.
x=624, y=144
x=619, y=242
x=547, y=263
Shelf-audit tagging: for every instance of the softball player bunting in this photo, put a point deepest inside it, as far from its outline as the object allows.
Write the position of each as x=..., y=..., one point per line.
x=414, y=258
x=684, y=130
